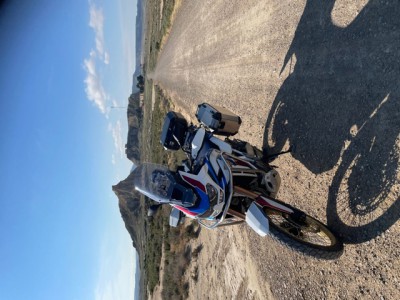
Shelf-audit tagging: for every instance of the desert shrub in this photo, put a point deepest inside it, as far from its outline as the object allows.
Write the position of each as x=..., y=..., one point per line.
x=195, y=275
x=167, y=246
x=197, y=251
x=192, y=231
x=185, y=289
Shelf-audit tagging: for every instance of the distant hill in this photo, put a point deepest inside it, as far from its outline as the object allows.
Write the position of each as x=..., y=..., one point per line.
x=132, y=147
x=131, y=207
x=129, y=204
x=132, y=212
x=139, y=43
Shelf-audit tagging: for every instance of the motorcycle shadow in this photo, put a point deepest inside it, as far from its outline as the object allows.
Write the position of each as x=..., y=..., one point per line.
x=340, y=106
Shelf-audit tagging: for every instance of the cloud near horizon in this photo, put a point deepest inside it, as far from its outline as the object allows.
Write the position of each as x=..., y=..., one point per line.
x=117, y=266
x=94, y=88
x=97, y=90
x=116, y=132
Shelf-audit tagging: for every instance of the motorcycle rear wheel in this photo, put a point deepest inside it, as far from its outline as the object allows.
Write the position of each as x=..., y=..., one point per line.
x=308, y=236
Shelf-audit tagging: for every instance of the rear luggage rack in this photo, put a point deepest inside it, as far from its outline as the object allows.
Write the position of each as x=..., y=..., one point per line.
x=218, y=119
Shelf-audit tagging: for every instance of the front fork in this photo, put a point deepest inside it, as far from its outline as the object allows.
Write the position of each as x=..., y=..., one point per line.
x=268, y=202
x=255, y=215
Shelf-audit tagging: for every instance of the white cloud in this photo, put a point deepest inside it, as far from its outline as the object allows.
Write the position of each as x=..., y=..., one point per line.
x=106, y=58
x=97, y=23
x=116, y=131
x=94, y=87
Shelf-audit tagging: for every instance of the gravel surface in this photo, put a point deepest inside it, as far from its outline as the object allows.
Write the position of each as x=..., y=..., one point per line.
x=322, y=76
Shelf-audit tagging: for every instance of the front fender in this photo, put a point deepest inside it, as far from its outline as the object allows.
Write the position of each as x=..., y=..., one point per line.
x=257, y=220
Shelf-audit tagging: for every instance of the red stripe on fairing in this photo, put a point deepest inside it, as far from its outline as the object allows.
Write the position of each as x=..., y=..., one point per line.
x=264, y=202
x=186, y=211
x=242, y=163
x=194, y=182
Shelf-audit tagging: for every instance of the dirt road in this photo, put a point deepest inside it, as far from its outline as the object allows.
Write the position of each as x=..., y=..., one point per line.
x=321, y=76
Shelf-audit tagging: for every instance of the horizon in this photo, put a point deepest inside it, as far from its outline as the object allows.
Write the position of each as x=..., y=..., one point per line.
x=65, y=65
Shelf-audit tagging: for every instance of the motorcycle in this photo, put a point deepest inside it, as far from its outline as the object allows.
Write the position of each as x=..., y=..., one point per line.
x=228, y=182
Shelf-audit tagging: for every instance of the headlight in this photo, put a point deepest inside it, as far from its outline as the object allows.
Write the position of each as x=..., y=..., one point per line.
x=212, y=194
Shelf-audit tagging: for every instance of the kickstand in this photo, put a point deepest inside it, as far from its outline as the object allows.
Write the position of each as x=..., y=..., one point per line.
x=272, y=157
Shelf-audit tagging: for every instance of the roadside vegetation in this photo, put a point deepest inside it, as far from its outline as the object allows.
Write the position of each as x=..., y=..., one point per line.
x=158, y=234
x=168, y=9
x=178, y=255
x=153, y=152
x=158, y=231
x=159, y=13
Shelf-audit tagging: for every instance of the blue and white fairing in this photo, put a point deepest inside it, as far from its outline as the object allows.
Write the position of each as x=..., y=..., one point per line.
x=210, y=189
x=205, y=194
x=213, y=183
x=203, y=141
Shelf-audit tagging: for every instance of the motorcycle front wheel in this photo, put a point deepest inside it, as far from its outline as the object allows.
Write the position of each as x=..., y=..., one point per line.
x=306, y=234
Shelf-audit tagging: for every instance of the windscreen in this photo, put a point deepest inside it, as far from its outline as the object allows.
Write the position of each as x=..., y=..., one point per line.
x=154, y=181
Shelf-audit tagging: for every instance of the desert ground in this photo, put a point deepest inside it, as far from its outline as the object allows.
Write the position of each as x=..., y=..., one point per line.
x=322, y=76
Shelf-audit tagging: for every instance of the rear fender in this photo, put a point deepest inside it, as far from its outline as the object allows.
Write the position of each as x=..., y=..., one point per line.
x=223, y=146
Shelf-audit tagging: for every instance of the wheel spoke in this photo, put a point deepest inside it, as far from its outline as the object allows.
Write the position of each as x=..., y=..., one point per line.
x=311, y=232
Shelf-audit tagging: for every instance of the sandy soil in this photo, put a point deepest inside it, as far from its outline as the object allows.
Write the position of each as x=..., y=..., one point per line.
x=323, y=77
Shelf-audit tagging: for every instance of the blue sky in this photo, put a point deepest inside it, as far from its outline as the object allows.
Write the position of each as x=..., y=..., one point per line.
x=63, y=65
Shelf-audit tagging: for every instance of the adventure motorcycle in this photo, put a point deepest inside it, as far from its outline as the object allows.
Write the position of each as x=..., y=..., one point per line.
x=228, y=182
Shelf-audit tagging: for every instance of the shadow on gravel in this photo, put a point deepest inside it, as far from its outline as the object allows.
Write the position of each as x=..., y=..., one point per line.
x=340, y=106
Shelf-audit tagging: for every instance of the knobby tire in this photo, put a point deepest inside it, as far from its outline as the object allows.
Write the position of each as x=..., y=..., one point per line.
x=297, y=241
